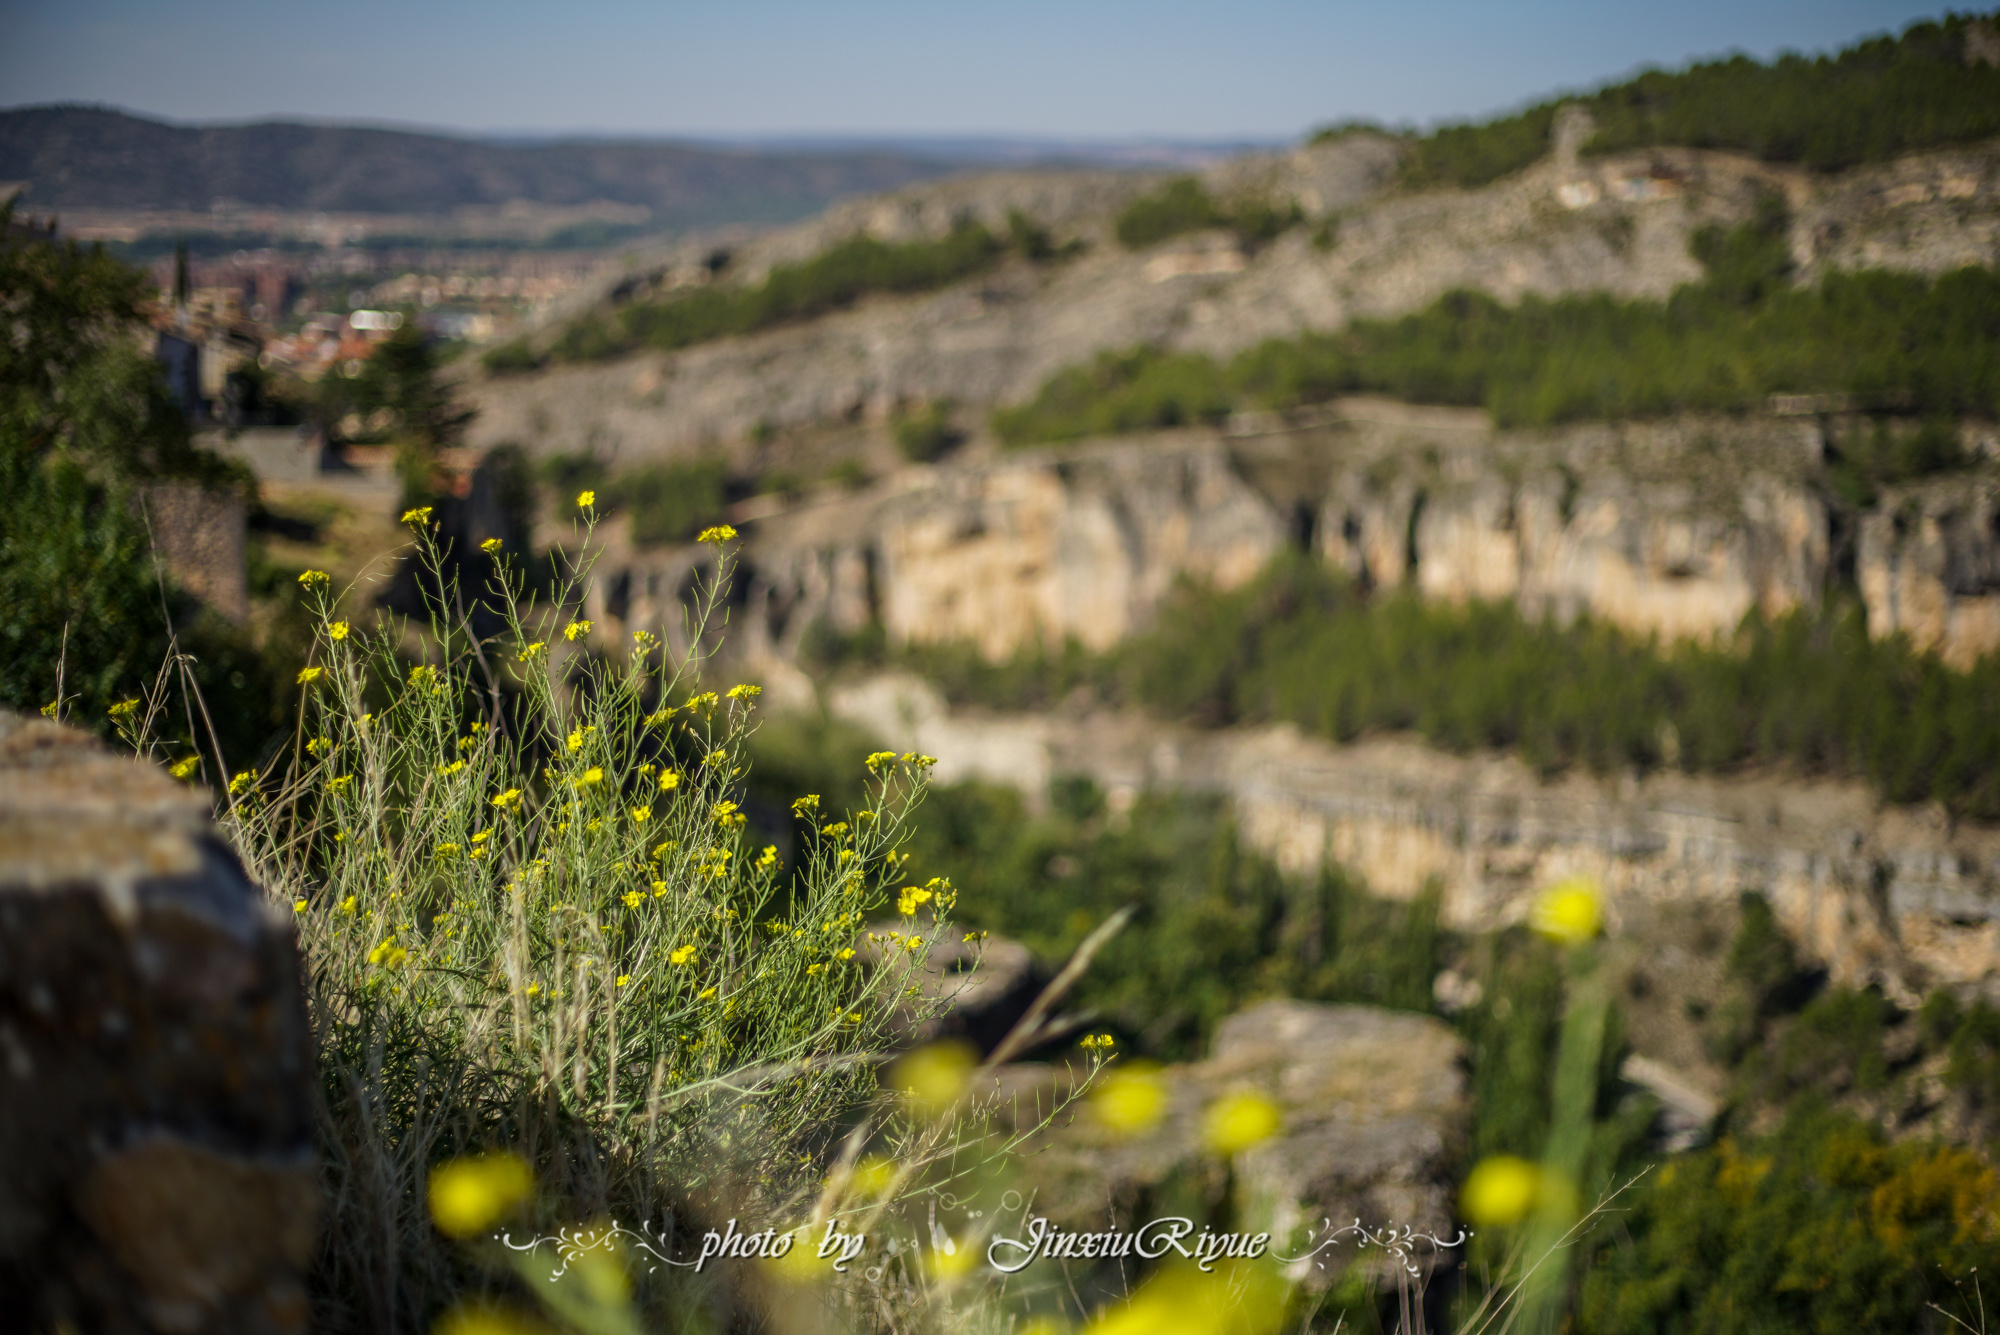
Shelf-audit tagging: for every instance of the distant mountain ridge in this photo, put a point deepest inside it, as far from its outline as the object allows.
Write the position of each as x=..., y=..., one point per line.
x=79, y=157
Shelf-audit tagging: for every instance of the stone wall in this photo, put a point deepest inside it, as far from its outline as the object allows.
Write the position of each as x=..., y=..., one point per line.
x=156, y=1155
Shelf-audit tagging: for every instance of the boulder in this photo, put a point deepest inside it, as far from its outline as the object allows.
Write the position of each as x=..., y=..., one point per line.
x=156, y=1150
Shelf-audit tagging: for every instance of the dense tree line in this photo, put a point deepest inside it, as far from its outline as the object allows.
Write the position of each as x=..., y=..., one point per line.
x=1871, y=102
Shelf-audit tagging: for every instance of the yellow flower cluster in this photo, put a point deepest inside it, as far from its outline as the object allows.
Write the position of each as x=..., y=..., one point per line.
x=576, y=630
x=669, y=781
x=490, y=546
x=1097, y=1042
x=720, y=533
x=508, y=800
x=184, y=769
x=336, y=630
x=530, y=651
x=745, y=692
x=880, y=758
x=388, y=954
x=681, y=955
x=585, y=499
x=418, y=517
x=806, y=805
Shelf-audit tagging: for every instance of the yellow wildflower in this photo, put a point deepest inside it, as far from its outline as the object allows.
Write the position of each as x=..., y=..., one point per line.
x=576, y=630
x=490, y=546
x=311, y=578
x=911, y=899
x=420, y=515
x=1235, y=1122
x=424, y=675
x=623, y=979
x=339, y=782
x=183, y=769
x=1131, y=1101
x=482, y=836
x=446, y=850
x=1569, y=912
x=681, y=955
x=633, y=899
x=309, y=675
x=808, y=803
x=590, y=777
x=1093, y=1042
x=347, y=905
x=336, y=630
x=1500, y=1190
x=880, y=758
x=705, y=994
x=123, y=707
x=242, y=781
x=298, y=906
x=453, y=768
x=845, y=955
x=745, y=692
x=469, y=1196
x=510, y=798
x=388, y=954
x=529, y=652
x=768, y=858
x=720, y=533
x=659, y=889
x=669, y=781
x=585, y=499
x=640, y=815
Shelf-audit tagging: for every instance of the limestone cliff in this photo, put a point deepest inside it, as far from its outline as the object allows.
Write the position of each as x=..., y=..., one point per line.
x=1674, y=529
x=1876, y=893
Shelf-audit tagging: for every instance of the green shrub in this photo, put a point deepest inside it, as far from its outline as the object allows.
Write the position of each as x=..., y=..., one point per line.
x=1182, y=205
x=924, y=434
x=513, y=357
x=1821, y=1226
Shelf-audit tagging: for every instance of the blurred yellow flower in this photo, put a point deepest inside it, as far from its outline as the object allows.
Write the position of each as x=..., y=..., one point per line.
x=508, y=799
x=622, y=979
x=1569, y=912
x=878, y=759
x=591, y=777
x=298, y=906
x=1235, y=1122
x=420, y=515
x=310, y=578
x=576, y=630
x=1500, y=1190
x=585, y=499
x=480, y=1319
x=1132, y=1101
x=529, y=652
x=469, y=1196
x=124, y=707
x=681, y=955
x=309, y=675
x=336, y=630
x=633, y=899
x=1238, y=1297
x=640, y=815
x=491, y=545
x=745, y=692
x=720, y=533
x=934, y=1076
x=182, y=769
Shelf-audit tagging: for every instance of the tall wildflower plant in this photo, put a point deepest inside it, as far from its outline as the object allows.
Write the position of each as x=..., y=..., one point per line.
x=532, y=920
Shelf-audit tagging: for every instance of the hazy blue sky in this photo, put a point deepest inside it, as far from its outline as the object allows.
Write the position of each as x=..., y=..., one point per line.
x=1097, y=68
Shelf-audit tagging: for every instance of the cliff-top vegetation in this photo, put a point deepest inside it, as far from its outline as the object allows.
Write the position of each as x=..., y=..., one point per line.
x=1937, y=84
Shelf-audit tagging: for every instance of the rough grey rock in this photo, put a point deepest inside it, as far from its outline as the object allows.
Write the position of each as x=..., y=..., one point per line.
x=1372, y=1115
x=156, y=1157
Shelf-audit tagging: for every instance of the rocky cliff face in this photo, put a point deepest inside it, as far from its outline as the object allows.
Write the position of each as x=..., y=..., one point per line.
x=1671, y=529
x=1618, y=224
x=1875, y=893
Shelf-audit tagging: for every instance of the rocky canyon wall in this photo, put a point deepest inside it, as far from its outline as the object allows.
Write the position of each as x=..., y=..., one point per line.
x=1674, y=529
x=1875, y=893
